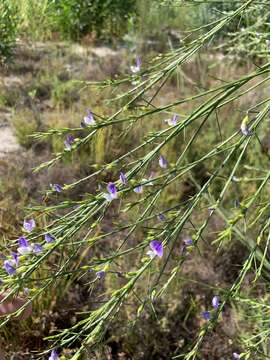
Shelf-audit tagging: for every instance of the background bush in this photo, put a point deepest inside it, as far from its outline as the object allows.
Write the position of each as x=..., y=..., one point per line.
x=105, y=18
x=8, y=29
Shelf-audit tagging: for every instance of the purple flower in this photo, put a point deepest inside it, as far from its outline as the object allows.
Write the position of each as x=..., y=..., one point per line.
x=26, y=291
x=56, y=187
x=157, y=248
x=215, y=302
x=123, y=178
x=206, y=315
x=112, y=192
x=173, y=121
x=24, y=246
x=188, y=241
x=137, y=67
x=138, y=189
x=68, y=142
x=9, y=266
x=101, y=274
x=54, y=355
x=236, y=355
x=161, y=217
x=88, y=119
x=163, y=163
x=37, y=248
x=15, y=257
x=49, y=238
x=29, y=225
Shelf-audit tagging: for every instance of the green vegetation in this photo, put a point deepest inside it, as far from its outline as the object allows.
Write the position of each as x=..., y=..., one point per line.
x=96, y=291
x=8, y=29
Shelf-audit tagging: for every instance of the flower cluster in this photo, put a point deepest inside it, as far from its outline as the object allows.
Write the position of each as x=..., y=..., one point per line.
x=25, y=248
x=87, y=120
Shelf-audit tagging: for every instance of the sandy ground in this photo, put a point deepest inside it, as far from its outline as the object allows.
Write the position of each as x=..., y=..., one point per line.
x=8, y=142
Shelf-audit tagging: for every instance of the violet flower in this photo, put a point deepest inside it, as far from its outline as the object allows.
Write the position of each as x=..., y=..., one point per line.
x=156, y=249
x=137, y=67
x=49, y=238
x=163, y=163
x=101, y=274
x=29, y=225
x=236, y=355
x=188, y=241
x=206, y=315
x=173, y=121
x=37, y=248
x=57, y=188
x=15, y=257
x=10, y=267
x=68, y=142
x=24, y=246
x=215, y=302
x=138, y=189
x=54, y=355
x=161, y=217
x=112, y=192
x=88, y=119
x=123, y=178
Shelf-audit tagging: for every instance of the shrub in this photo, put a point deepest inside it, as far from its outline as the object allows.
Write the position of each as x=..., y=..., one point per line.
x=8, y=29
x=106, y=18
x=24, y=124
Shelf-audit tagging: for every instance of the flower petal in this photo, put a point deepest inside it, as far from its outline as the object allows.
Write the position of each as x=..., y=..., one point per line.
x=215, y=302
x=157, y=248
x=29, y=225
x=49, y=238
